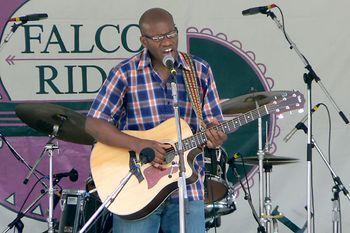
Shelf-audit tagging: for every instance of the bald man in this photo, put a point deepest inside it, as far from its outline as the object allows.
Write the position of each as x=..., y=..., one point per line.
x=137, y=96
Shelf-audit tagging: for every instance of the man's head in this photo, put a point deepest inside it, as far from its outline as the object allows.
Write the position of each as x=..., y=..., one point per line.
x=158, y=33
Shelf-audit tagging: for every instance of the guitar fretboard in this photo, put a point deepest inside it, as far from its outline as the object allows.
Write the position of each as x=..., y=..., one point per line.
x=228, y=126
x=288, y=101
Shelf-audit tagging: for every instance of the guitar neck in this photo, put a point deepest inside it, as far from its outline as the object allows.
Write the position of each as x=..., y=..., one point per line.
x=286, y=101
x=227, y=127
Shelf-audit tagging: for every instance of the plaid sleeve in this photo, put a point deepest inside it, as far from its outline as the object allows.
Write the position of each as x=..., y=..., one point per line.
x=108, y=105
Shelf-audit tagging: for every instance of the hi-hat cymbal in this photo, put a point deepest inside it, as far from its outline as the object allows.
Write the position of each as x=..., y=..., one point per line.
x=245, y=103
x=47, y=118
x=269, y=159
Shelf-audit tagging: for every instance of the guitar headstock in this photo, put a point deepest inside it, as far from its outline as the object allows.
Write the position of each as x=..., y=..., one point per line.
x=286, y=101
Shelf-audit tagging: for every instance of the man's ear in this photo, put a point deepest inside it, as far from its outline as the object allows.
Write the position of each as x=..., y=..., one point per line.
x=143, y=41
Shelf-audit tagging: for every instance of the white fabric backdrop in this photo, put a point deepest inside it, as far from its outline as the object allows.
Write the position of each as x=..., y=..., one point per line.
x=319, y=30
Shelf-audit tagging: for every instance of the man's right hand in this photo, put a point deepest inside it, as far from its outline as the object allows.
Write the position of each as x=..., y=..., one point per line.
x=158, y=148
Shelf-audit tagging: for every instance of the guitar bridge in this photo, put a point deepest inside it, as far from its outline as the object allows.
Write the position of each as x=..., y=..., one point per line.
x=134, y=166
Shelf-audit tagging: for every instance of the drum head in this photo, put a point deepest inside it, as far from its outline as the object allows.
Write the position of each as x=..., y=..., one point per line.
x=215, y=189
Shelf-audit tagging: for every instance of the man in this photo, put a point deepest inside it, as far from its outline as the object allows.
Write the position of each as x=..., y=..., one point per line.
x=137, y=96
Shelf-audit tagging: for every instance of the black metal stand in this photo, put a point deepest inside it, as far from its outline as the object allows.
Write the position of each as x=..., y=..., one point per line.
x=338, y=187
x=13, y=30
x=180, y=152
x=247, y=196
x=308, y=78
x=17, y=221
x=21, y=159
x=134, y=170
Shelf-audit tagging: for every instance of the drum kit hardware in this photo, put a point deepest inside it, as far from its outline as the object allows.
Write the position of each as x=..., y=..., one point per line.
x=44, y=116
x=269, y=160
x=65, y=124
x=245, y=103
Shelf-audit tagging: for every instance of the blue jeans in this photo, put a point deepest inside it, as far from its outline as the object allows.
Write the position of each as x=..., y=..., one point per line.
x=166, y=218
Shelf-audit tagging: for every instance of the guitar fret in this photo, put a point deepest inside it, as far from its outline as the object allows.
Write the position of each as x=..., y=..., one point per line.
x=193, y=142
x=204, y=137
x=267, y=112
x=239, y=121
x=197, y=139
x=245, y=118
x=227, y=128
x=186, y=144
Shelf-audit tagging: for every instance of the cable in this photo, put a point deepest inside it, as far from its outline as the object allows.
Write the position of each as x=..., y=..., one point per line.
x=247, y=194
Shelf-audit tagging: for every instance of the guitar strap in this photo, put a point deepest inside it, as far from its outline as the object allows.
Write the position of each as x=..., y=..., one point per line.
x=193, y=88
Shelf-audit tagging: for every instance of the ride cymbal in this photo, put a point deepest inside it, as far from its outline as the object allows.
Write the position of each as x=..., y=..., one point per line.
x=245, y=103
x=48, y=118
x=269, y=159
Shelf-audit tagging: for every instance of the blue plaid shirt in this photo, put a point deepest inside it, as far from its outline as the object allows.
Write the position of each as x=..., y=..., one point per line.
x=134, y=97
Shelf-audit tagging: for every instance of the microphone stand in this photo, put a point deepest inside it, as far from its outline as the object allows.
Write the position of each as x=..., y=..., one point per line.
x=338, y=187
x=20, y=215
x=308, y=78
x=135, y=167
x=13, y=30
x=260, y=155
x=20, y=158
x=182, y=170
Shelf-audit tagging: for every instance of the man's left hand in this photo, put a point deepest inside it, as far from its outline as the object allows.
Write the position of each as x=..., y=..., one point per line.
x=215, y=137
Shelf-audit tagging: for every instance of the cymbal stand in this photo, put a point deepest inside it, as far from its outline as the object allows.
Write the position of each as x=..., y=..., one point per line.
x=49, y=148
x=260, y=155
x=267, y=201
x=267, y=179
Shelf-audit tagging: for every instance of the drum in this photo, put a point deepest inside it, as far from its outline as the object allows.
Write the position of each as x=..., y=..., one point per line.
x=220, y=198
x=72, y=204
x=222, y=207
x=77, y=207
x=215, y=189
x=215, y=185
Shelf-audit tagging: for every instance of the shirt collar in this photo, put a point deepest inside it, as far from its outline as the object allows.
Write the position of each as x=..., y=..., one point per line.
x=145, y=60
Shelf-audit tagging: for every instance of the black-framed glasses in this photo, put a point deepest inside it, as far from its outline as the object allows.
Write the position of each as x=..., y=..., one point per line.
x=158, y=38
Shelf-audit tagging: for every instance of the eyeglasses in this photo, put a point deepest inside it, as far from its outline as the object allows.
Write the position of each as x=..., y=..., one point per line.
x=158, y=38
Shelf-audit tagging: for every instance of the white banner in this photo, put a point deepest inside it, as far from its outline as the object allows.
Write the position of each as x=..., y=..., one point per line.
x=64, y=59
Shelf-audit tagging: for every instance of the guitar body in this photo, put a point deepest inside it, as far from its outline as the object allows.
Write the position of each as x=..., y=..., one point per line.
x=109, y=165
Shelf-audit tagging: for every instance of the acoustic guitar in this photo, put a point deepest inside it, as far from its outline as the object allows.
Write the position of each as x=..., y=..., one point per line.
x=144, y=193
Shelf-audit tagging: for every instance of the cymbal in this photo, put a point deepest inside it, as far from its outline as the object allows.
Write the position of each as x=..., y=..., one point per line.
x=269, y=159
x=47, y=118
x=245, y=103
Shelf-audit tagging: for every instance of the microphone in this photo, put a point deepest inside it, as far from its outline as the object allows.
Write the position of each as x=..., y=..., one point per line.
x=231, y=163
x=259, y=9
x=297, y=126
x=31, y=17
x=168, y=61
x=147, y=155
x=72, y=174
